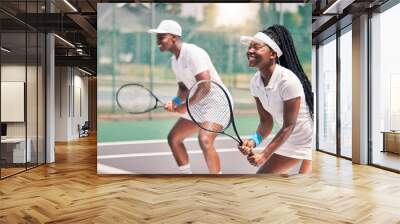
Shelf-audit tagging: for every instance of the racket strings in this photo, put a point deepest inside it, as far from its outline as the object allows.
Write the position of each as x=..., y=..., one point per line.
x=136, y=99
x=210, y=108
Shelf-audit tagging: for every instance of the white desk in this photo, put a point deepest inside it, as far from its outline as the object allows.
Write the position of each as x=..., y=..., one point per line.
x=18, y=149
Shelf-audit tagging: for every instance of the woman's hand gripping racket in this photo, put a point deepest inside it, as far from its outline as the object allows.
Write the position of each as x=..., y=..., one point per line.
x=134, y=98
x=209, y=106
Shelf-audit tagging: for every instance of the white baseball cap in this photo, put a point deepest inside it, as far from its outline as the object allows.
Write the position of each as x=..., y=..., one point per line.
x=168, y=26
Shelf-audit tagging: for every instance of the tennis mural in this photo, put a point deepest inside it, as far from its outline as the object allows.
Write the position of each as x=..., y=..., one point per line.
x=191, y=88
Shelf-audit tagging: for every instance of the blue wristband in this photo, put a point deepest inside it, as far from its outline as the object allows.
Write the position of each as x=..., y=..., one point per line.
x=177, y=100
x=256, y=138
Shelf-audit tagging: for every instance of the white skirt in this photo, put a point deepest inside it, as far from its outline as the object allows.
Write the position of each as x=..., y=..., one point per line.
x=299, y=143
x=295, y=152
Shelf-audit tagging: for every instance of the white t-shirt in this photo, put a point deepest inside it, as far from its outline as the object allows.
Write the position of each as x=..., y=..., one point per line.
x=192, y=60
x=284, y=85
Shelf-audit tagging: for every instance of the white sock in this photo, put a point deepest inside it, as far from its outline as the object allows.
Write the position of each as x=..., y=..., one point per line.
x=185, y=169
x=220, y=172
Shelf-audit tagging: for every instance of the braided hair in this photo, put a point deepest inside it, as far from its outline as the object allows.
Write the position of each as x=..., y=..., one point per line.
x=290, y=60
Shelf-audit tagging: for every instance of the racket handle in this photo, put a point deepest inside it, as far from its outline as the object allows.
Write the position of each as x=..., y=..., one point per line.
x=241, y=143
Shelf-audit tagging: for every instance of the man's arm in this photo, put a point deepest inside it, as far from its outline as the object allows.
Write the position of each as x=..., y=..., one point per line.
x=182, y=91
x=204, y=87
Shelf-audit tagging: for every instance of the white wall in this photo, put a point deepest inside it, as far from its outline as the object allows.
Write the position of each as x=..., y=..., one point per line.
x=14, y=73
x=33, y=126
x=81, y=94
x=70, y=83
x=62, y=80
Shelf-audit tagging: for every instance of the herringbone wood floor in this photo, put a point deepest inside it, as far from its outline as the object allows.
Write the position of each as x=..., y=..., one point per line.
x=70, y=191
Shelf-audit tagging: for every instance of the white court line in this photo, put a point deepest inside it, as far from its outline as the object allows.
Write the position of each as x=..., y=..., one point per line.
x=154, y=141
x=160, y=154
x=104, y=169
x=156, y=154
x=132, y=142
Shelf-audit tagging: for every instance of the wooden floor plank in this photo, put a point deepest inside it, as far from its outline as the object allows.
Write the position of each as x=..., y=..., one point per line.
x=70, y=191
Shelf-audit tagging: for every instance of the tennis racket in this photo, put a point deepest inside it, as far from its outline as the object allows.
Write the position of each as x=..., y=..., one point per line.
x=134, y=98
x=209, y=106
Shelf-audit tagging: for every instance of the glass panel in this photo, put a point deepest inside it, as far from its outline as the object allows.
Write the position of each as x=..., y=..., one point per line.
x=346, y=94
x=31, y=97
x=41, y=98
x=31, y=85
x=385, y=84
x=327, y=96
x=13, y=85
x=18, y=6
x=314, y=89
x=23, y=60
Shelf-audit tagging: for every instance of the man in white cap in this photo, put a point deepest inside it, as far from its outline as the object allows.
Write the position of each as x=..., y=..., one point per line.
x=190, y=64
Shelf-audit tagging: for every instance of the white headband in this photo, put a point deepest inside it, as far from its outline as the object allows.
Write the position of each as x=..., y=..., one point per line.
x=263, y=38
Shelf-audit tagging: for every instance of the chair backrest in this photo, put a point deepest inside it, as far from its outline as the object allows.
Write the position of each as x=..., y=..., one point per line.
x=86, y=125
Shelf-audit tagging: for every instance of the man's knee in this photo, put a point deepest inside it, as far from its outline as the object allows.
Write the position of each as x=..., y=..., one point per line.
x=173, y=138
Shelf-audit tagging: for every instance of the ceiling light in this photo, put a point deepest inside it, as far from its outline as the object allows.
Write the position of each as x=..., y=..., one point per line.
x=5, y=50
x=84, y=71
x=70, y=5
x=337, y=7
x=65, y=41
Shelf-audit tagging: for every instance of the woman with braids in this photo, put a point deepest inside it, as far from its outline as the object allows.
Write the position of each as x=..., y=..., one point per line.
x=282, y=93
